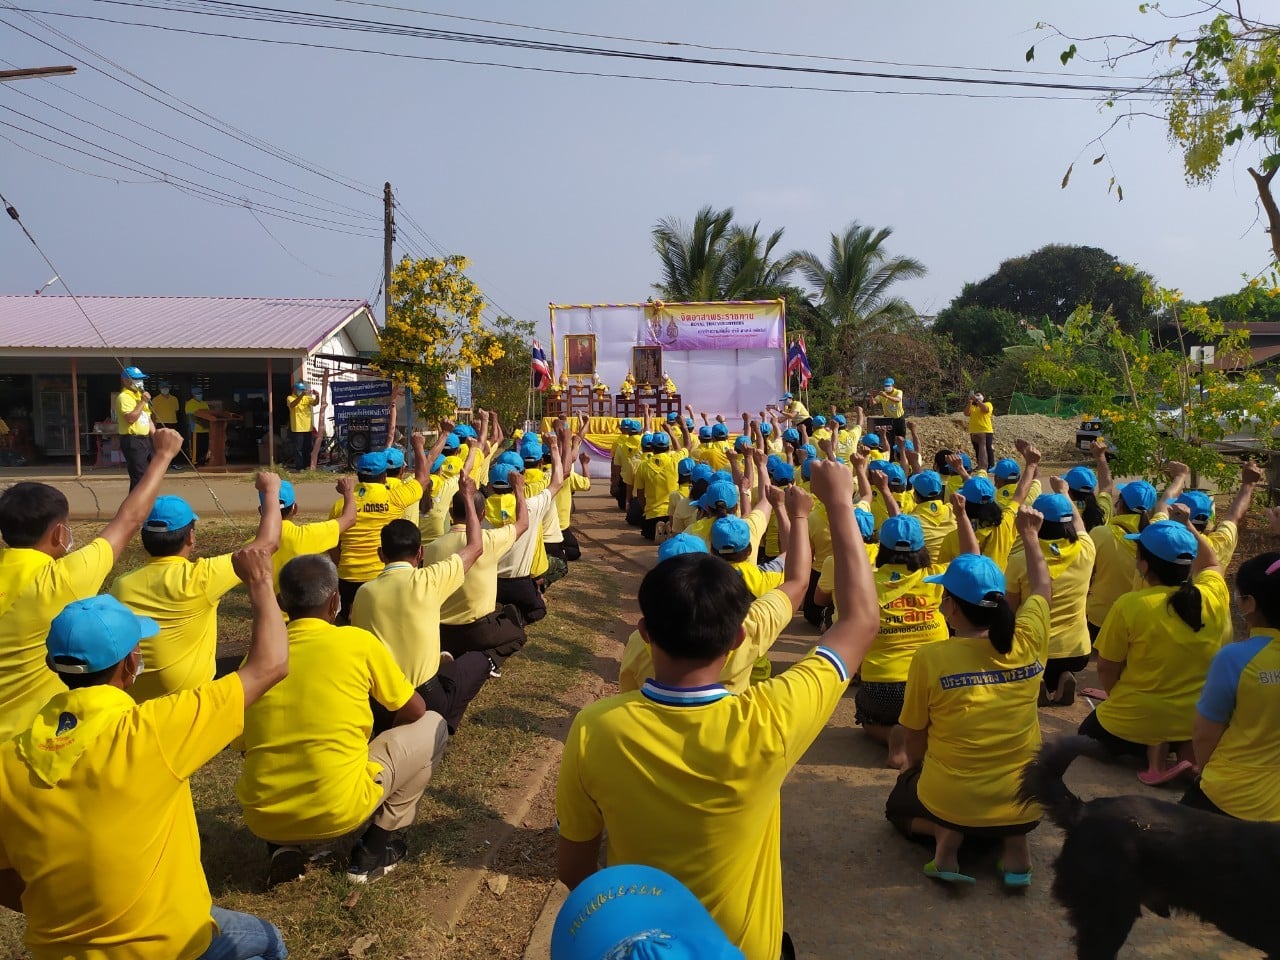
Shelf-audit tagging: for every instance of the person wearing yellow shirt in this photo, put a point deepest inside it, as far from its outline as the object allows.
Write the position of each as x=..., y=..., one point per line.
x=706, y=765
x=444, y=484
x=795, y=412
x=656, y=479
x=891, y=403
x=402, y=609
x=41, y=572
x=521, y=567
x=302, y=404
x=1223, y=532
x=624, y=448
x=982, y=431
x=680, y=506
x=907, y=607
x=396, y=469
x=297, y=539
x=98, y=834
x=1236, y=732
x=134, y=423
x=1007, y=474
x=470, y=619
x=820, y=436
x=781, y=475
x=991, y=517
x=897, y=489
x=845, y=441
x=182, y=595
x=971, y=718
x=871, y=446
x=1069, y=552
x=376, y=506
x=715, y=453
x=1156, y=646
x=312, y=774
x=936, y=517
x=1115, y=567
x=824, y=594
x=164, y=412
x=197, y=427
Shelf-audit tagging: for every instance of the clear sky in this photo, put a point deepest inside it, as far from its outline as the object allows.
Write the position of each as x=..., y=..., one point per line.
x=551, y=183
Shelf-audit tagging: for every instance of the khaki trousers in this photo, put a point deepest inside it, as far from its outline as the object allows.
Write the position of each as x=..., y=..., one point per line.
x=408, y=755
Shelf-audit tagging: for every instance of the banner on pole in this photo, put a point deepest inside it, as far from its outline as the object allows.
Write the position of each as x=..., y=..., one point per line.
x=347, y=391
x=343, y=414
x=458, y=386
x=711, y=326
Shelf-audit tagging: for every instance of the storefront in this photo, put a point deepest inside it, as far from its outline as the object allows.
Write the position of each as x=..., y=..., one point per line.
x=60, y=369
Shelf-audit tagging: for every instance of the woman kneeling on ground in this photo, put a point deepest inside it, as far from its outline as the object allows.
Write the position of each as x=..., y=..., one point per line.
x=1156, y=645
x=971, y=717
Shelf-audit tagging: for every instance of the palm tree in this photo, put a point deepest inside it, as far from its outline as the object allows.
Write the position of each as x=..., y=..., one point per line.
x=854, y=283
x=716, y=259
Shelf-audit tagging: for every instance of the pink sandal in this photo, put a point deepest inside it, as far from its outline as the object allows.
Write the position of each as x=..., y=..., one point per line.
x=1156, y=778
x=1097, y=694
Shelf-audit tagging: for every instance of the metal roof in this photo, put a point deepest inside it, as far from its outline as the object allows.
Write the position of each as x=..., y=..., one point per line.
x=187, y=324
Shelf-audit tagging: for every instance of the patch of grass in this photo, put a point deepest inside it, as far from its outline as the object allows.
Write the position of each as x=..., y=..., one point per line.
x=493, y=752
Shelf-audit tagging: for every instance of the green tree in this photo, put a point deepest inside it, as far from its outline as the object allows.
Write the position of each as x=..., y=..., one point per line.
x=854, y=283
x=980, y=331
x=716, y=259
x=1252, y=304
x=504, y=385
x=433, y=330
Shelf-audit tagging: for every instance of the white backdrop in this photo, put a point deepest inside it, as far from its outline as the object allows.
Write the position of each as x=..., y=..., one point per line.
x=717, y=381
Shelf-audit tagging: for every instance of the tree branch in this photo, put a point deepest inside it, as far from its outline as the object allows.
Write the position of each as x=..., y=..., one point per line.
x=1263, y=182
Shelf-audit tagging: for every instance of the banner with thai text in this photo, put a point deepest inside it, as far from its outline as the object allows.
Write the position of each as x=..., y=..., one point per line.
x=347, y=391
x=713, y=326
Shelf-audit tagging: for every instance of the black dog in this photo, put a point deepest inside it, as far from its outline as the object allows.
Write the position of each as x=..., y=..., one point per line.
x=1125, y=853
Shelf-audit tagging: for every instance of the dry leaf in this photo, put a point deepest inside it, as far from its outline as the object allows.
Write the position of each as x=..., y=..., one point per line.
x=351, y=899
x=360, y=948
x=497, y=882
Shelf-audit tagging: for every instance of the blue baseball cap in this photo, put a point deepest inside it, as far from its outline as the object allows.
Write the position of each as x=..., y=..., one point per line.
x=466, y=431
x=638, y=913
x=1139, y=495
x=782, y=473
x=742, y=443
x=897, y=476
x=1169, y=540
x=967, y=461
x=973, y=578
x=438, y=463
x=372, y=463
x=810, y=449
x=287, y=495
x=866, y=522
x=531, y=450
x=169, y=514
x=730, y=535
x=870, y=440
x=662, y=441
x=1081, y=480
x=646, y=439
x=95, y=634
x=719, y=431
x=704, y=432
x=902, y=532
x=927, y=484
x=888, y=381
x=819, y=421
x=132, y=373
x=785, y=397
x=688, y=423
x=1006, y=470
x=791, y=435
x=300, y=385
x=500, y=474
x=684, y=469
x=806, y=468
x=719, y=493
x=722, y=476
x=881, y=465
x=1199, y=503
x=1056, y=507
x=702, y=471
x=909, y=445
x=511, y=459
x=451, y=443
x=766, y=429
x=978, y=490
x=679, y=544
x=673, y=418
x=840, y=419
x=395, y=458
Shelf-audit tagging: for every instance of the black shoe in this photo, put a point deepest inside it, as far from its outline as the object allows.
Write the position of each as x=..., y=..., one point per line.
x=287, y=863
x=494, y=670
x=368, y=865
x=1066, y=690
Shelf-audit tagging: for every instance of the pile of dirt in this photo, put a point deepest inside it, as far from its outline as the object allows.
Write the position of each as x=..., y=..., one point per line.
x=1056, y=438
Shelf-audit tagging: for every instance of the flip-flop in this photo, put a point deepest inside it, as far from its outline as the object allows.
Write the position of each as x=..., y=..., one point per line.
x=1093, y=693
x=1155, y=778
x=1013, y=881
x=949, y=876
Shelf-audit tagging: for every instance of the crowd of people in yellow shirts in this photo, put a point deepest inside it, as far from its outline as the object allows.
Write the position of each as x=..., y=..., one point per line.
x=960, y=598
x=357, y=674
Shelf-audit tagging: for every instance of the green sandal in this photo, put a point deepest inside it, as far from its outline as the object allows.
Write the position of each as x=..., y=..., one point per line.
x=948, y=876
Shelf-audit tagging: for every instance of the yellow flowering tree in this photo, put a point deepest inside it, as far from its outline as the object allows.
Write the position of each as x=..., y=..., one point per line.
x=433, y=330
x=1156, y=404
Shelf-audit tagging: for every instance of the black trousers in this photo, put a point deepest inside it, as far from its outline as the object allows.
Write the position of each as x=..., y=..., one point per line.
x=202, y=447
x=523, y=594
x=137, y=454
x=1055, y=668
x=567, y=550
x=984, y=443
x=347, y=594
x=302, y=443
x=448, y=693
x=1116, y=746
x=498, y=635
x=812, y=612
x=649, y=527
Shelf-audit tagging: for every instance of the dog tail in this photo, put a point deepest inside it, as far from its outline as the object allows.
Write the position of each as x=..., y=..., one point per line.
x=1042, y=780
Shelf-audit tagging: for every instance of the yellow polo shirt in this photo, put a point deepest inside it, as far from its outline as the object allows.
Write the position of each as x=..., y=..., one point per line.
x=759, y=582
x=795, y=410
x=937, y=520
x=979, y=707
x=182, y=596
x=1070, y=569
x=909, y=619
x=1005, y=494
x=656, y=479
x=436, y=520
x=766, y=618
x=980, y=419
x=1115, y=567
x=377, y=504
x=164, y=407
x=819, y=535
x=478, y=595
x=412, y=512
x=301, y=410
x=299, y=539
x=755, y=520
x=625, y=448
x=827, y=578
x=994, y=542
x=307, y=773
x=111, y=852
x=1165, y=661
x=891, y=406
x=682, y=511
x=34, y=588
x=708, y=766
x=846, y=443
x=128, y=400
x=191, y=408
x=906, y=503
x=715, y=454
x=1243, y=691
x=401, y=607
x=574, y=482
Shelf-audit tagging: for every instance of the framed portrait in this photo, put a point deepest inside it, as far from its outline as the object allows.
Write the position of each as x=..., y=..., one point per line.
x=580, y=354
x=646, y=362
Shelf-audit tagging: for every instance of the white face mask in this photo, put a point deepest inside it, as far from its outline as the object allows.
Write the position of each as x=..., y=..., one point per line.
x=142, y=665
x=139, y=384
x=71, y=539
x=165, y=391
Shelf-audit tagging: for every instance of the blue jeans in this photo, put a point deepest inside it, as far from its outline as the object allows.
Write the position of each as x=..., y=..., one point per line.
x=242, y=936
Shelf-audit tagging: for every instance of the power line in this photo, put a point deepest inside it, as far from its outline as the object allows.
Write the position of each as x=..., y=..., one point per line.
x=72, y=168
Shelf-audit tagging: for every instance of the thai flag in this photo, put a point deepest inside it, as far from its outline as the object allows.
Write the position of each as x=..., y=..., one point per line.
x=798, y=362
x=541, y=369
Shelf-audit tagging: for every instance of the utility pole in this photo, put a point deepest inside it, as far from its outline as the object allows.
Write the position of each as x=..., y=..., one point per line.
x=32, y=73
x=388, y=236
